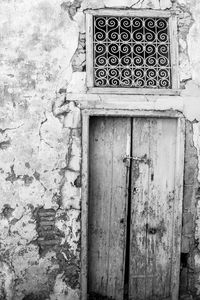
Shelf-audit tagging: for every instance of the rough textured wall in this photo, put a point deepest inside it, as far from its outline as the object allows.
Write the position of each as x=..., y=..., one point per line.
x=40, y=152
x=42, y=61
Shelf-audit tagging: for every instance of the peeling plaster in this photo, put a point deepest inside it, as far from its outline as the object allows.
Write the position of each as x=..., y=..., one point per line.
x=33, y=146
x=42, y=92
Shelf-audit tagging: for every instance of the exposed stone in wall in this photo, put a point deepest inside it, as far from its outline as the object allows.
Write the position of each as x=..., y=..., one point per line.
x=193, y=40
x=192, y=95
x=188, y=249
x=79, y=58
x=48, y=235
x=185, y=21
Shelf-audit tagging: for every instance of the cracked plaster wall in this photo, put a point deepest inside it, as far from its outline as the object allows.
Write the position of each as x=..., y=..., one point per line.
x=42, y=63
x=40, y=152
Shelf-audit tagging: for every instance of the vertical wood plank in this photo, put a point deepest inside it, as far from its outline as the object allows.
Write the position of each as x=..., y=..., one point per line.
x=178, y=206
x=139, y=200
x=107, y=205
x=161, y=199
x=153, y=190
x=118, y=211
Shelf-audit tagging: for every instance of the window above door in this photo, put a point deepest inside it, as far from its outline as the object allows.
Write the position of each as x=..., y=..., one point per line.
x=131, y=52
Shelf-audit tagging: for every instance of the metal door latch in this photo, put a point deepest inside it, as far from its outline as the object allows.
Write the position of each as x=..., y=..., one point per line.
x=142, y=159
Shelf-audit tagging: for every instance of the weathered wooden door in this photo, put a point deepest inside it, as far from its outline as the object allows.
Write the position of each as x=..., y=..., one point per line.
x=134, y=208
x=107, y=206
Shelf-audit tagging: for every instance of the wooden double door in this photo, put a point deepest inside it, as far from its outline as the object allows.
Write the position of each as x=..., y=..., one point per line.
x=134, y=214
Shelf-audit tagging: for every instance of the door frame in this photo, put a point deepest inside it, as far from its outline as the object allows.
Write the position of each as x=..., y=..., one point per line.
x=177, y=220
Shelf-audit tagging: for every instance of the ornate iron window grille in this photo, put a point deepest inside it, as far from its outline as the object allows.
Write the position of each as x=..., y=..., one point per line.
x=131, y=52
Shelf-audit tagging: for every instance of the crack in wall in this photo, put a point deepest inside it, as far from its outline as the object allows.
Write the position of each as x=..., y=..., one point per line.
x=36, y=175
x=138, y=2
x=40, y=133
x=2, y=131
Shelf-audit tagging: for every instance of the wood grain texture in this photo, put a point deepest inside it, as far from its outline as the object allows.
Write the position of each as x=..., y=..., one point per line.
x=178, y=206
x=84, y=206
x=109, y=138
x=153, y=188
x=156, y=205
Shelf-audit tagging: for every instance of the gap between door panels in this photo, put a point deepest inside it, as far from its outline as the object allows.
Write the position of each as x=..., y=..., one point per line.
x=128, y=222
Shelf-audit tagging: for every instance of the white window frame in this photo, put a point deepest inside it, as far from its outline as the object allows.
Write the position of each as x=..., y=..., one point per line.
x=132, y=13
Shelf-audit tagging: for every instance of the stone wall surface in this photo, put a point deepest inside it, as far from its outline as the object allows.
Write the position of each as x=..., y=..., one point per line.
x=43, y=62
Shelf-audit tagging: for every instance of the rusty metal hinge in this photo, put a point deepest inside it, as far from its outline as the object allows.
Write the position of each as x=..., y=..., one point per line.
x=142, y=159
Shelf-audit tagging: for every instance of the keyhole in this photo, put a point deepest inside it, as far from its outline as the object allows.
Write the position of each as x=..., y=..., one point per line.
x=150, y=230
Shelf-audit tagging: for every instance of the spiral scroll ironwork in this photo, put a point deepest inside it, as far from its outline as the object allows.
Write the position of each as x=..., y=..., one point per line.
x=131, y=52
